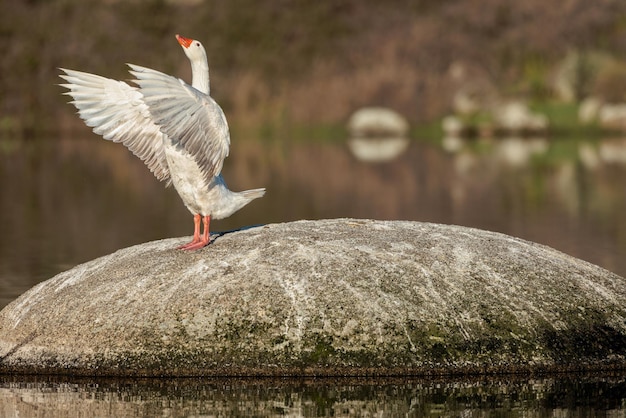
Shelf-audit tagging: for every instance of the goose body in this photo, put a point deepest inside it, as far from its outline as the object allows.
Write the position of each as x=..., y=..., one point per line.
x=176, y=129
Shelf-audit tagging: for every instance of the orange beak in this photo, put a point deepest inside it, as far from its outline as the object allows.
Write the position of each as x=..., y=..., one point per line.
x=184, y=42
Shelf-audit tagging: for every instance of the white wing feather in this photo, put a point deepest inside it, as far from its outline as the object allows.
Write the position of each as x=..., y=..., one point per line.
x=187, y=116
x=117, y=111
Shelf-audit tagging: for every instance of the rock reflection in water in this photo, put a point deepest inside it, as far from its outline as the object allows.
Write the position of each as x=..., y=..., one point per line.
x=377, y=150
x=512, y=396
x=610, y=152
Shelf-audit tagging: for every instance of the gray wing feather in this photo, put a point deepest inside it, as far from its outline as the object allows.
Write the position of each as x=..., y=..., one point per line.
x=117, y=111
x=187, y=116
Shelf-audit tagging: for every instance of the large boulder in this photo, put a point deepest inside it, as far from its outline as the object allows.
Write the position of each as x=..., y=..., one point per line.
x=331, y=297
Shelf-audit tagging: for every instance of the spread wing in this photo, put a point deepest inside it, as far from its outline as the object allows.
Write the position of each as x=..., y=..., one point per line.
x=187, y=116
x=117, y=111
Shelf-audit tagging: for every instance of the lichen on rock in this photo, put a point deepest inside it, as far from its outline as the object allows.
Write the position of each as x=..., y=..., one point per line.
x=328, y=297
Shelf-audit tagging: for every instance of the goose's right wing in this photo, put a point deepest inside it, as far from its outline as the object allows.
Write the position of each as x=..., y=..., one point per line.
x=187, y=116
x=117, y=111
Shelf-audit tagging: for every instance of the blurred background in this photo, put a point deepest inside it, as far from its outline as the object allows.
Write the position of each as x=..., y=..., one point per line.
x=506, y=116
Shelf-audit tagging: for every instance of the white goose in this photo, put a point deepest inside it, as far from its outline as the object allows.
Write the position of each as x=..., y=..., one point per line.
x=177, y=130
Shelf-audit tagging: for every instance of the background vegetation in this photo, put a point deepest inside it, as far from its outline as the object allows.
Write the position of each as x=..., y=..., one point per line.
x=281, y=65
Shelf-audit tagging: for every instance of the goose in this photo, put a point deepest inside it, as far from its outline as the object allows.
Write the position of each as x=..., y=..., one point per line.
x=178, y=130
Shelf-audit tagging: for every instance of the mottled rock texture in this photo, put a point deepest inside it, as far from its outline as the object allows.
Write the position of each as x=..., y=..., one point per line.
x=331, y=297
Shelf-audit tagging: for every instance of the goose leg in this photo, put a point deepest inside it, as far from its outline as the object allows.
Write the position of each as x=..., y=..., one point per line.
x=196, y=233
x=206, y=236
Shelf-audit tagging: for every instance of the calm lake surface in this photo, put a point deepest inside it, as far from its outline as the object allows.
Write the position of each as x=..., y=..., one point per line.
x=64, y=201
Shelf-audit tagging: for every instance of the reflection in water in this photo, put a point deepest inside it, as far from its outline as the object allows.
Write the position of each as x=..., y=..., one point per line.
x=518, y=152
x=377, y=150
x=512, y=396
x=63, y=202
x=612, y=152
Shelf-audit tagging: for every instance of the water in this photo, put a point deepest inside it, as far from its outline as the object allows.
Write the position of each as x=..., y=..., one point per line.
x=502, y=396
x=64, y=201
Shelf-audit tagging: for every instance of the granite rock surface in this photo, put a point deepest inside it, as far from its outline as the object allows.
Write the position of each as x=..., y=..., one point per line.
x=328, y=297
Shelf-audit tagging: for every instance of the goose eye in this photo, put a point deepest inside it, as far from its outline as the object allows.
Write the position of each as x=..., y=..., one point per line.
x=197, y=43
